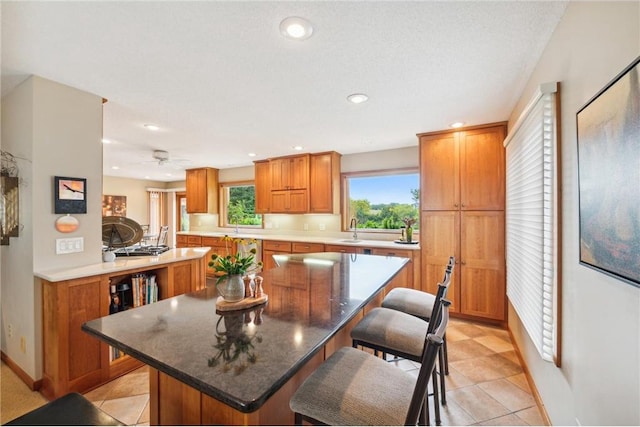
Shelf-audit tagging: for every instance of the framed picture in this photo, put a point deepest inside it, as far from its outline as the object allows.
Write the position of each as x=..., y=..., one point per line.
x=114, y=205
x=70, y=195
x=609, y=177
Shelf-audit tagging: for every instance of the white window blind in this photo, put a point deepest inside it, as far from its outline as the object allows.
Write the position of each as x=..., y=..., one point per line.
x=531, y=212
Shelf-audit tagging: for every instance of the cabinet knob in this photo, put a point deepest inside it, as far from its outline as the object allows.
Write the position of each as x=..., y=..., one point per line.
x=455, y=205
x=463, y=205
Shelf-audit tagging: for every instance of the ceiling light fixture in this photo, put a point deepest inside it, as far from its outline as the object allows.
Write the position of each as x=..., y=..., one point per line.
x=457, y=125
x=296, y=28
x=252, y=154
x=106, y=141
x=151, y=126
x=297, y=147
x=115, y=167
x=357, y=98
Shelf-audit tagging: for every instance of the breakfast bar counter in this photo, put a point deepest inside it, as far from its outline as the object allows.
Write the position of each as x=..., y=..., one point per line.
x=241, y=367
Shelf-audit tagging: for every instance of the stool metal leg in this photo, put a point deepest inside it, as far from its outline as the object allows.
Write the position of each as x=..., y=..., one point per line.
x=441, y=374
x=446, y=356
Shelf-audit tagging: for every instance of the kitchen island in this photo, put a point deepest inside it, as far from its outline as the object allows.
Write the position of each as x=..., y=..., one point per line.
x=241, y=367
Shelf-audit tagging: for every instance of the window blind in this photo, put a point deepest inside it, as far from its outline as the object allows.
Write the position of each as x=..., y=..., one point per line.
x=531, y=235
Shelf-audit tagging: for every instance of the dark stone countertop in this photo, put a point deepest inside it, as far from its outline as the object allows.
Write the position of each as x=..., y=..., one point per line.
x=243, y=357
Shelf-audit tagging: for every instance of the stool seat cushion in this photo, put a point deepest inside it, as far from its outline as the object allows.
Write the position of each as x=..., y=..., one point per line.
x=353, y=387
x=410, y=301
x=392, y=329
x=72, y=409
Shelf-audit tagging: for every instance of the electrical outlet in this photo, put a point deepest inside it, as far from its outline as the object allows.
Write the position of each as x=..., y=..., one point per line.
x=23, y=345
x=305, y=227
x=322, y=227
x=10, y=330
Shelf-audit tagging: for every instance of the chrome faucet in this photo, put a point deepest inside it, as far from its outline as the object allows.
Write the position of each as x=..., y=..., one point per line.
x=354, y=226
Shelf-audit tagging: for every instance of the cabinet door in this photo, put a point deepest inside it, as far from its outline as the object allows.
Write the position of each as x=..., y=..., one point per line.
x=482, y=169
x=279, y=174
x=439, y=237
x=482, y=264
x=202, y=188
x=439, y=172
x=299, y=172
x=263, y=186
x=324, y=183
x=298, y=201
x=280, y=201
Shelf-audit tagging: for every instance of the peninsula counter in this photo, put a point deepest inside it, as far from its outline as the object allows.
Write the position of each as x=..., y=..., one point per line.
x=241, y=367
x=74, y=361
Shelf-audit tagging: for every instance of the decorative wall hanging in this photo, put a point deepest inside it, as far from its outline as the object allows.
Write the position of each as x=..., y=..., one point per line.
x=608, y=175
x=67, y=224
x=70, y=195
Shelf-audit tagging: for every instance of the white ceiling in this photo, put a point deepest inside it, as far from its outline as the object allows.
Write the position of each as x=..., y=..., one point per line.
x=220, y=80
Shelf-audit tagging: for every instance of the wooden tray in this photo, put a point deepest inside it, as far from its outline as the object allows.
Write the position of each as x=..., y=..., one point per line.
x=222, y=305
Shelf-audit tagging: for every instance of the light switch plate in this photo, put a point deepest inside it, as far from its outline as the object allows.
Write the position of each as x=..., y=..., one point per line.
x=69, y=245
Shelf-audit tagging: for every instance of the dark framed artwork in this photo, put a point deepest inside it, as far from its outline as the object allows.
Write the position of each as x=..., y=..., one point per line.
x=70, y=195
x=608, y=129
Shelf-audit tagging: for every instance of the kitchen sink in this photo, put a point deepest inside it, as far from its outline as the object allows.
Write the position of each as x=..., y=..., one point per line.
x=351, y=241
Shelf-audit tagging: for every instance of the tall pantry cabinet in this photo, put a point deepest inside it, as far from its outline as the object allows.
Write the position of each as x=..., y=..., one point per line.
x=462, y=193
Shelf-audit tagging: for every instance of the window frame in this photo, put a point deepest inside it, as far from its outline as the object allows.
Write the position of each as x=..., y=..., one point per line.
x=224, y=202
x=344, y=190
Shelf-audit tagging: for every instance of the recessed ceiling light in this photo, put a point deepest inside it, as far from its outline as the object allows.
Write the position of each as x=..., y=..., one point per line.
x=296, y=28
x=297, y=147
x=252, y=154
x=115, y=167
x=457, y=124
x=168, y=174
x=147, y=177
x=357, y=98
x=151, y=126
x=106, y=141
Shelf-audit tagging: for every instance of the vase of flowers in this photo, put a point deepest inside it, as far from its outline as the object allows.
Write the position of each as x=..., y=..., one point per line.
x=408, y=222
x=231, y=268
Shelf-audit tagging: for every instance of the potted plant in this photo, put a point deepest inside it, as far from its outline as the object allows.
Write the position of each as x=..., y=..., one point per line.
x=230, y=269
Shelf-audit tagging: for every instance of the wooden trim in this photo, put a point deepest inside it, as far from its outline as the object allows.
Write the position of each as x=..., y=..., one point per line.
x=532, y=384
x=558, y=355
x=463, y=129
x=33, y=385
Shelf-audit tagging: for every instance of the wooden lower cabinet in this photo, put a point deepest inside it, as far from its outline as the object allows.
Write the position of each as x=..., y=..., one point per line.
x=75, y=361
x=182, y=241
x=476, y=239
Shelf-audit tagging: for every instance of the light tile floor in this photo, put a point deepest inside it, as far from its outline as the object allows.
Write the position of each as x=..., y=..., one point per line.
x=485, y=386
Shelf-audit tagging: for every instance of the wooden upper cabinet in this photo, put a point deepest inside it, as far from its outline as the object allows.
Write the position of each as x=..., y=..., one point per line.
x=324, y=183
x=482, y=168
x=290, y=201
x=463, y=169
x=202, y=190
x=440, y=172
x=290, y=173
x=263, y=186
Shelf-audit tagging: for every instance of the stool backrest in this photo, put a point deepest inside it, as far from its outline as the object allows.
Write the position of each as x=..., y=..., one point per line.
x=433, y=342
x=440, y=295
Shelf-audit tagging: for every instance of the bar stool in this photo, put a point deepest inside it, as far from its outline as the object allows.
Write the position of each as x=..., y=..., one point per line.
x=400, y=334
x=353, y=387
x=419, y=304
x=72, y=409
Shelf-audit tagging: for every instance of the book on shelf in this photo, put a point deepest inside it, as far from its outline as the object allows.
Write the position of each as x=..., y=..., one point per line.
x=144, y=289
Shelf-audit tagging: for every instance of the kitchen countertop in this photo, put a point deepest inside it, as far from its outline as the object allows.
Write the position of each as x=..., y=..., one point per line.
x=121, y=264
x=303, y=238
x=183, y=335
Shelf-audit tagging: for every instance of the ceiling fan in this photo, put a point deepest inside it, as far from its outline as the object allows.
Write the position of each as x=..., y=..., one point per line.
x=161, y=158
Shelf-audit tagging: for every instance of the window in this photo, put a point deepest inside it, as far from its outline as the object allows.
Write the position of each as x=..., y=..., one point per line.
x=238, y=205
x=156, y=205
x=532, y=219
x=381, y=200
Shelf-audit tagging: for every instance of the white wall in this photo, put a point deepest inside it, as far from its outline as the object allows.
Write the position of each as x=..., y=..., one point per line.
x=55, y=130
x=599, y=380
